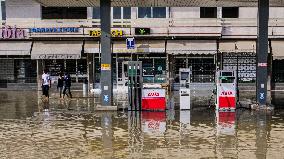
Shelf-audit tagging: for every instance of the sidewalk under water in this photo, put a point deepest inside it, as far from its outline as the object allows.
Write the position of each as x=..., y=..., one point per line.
x=71, y=128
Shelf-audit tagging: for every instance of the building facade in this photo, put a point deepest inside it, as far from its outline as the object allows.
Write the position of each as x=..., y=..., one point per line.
x=167, y=38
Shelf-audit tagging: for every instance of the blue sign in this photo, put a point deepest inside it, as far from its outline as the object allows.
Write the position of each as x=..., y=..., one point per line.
x=106, y=98
x=54, y=30
x=130, y=43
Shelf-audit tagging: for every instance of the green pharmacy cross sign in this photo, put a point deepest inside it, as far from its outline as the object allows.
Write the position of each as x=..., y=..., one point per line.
x=142, y=31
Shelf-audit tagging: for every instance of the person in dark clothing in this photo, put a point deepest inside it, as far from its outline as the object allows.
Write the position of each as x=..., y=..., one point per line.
x=60, y=84
x=67, y=85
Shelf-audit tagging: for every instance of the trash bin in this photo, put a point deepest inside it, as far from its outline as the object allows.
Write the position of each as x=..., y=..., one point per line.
x=85, y=87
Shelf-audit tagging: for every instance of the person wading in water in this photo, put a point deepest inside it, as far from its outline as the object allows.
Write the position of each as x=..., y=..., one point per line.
x=67, y=85
x=60, y=84
x=46, y=84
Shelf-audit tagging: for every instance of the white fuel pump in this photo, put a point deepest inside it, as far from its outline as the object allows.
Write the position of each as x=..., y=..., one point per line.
x=184, y=93
x=226, y=82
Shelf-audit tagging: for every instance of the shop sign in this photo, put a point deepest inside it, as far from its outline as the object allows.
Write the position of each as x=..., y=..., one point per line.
x=142, y=31
x=54, y=30
x=262, y=64
x=136, y=50
x=105, y=67
x=56, y=56
x=114, y=33
x=8, y=32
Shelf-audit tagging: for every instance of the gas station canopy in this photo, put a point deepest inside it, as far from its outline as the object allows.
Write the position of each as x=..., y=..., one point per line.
x=157, y=3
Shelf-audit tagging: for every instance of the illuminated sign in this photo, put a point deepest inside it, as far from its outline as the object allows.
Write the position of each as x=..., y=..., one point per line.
x=114, y=33
x=142, y=31
x=8, y=32
x=54, y=30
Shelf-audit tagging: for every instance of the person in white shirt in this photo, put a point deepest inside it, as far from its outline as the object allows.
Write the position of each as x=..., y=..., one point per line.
x=46, y=83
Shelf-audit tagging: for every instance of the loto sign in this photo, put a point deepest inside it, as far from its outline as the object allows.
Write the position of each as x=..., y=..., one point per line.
x=8, y=32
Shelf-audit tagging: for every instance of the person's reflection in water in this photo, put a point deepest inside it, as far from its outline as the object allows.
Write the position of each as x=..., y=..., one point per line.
x=45, y=106
x=67, y=104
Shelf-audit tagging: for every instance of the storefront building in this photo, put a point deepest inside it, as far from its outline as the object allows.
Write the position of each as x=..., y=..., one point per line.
x=167, y=39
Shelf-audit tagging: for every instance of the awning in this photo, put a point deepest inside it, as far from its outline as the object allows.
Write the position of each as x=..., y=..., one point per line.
x=277, y=50
x=191, y=47
x=141, y=46
x=15, y=47
x=57, y=50
x=237, y=46
x=156, y=3
x=92, y=47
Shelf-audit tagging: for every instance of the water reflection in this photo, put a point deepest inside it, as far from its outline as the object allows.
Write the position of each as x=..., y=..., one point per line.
x=71, y=128
x=225, y=123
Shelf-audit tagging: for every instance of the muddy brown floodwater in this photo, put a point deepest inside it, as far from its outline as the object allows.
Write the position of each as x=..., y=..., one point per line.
x=71, y=128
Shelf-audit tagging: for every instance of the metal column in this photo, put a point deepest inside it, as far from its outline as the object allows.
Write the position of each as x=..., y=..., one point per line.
x=106, y=58
x=40, y=67
x=262, y=52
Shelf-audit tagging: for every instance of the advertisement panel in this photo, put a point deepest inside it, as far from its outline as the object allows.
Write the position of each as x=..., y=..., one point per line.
x=227, y=95
x=154, y=99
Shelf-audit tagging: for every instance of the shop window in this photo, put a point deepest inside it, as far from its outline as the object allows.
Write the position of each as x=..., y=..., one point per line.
x=159, y=12
x=152, y=12
x=116, y=12
x=96, y=13
x=126, y=12
x=244, y=63
x=230, y=12
x=202, y=67
x=3, y=10
x=121, y=12
x=144, y=12
x=208, y=12
x=278, y=72
x=64, y=12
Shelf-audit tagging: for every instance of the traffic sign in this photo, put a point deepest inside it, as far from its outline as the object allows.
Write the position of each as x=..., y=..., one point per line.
x=130, y=43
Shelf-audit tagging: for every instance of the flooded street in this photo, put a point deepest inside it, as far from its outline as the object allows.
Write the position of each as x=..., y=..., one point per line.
x=73, y=129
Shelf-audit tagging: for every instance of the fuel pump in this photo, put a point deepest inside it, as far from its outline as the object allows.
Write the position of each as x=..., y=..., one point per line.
x=184, y=93
x=135, y=85
x=124, y=76
x=226, y=85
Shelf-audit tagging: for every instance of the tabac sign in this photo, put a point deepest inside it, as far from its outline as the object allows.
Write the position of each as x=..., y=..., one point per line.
x=8, y=32
x=114, y=33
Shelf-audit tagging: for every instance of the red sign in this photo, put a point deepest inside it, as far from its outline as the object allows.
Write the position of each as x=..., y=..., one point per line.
x=262, y=64
x=227, y=102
